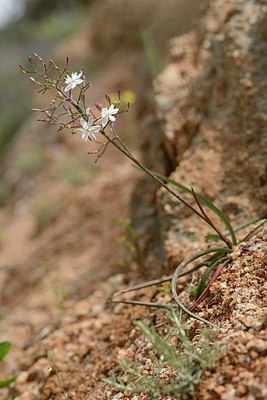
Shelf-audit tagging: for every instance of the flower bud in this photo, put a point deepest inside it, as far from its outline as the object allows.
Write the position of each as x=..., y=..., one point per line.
x=51, y=62
x=39, y=58
x=23, y=70
x=99, y=106
x=35, y=81
x=108, y=99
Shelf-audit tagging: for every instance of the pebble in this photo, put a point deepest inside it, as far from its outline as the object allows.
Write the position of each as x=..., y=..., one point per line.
x=257, y=345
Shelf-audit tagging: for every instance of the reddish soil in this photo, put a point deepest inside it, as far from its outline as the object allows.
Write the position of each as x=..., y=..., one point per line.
x=59, y=265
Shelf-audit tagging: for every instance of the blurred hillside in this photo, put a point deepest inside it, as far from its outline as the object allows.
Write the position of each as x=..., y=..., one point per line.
x=64, y=221
x=41, y=27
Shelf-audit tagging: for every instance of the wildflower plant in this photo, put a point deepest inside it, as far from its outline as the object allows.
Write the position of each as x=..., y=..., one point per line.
x=185, y=362
x=68, y=111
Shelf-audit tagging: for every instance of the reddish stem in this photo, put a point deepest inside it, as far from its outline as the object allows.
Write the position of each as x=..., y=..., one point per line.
x=207, y=288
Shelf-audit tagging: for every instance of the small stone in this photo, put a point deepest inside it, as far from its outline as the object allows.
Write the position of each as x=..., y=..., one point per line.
x=219, y=389
x=257, y=345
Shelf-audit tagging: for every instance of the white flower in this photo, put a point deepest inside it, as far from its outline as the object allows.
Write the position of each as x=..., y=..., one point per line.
x=108, y=114
x=73, y=80
x=88, y=130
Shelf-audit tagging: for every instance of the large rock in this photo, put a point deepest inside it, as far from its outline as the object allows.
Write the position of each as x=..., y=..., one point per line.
x=212, y=101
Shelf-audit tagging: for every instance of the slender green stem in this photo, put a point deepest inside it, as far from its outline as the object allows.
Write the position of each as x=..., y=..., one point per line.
x=210, y=222
x=128, y=154
x=126, y=151
x=144, y=303
x=254, y=231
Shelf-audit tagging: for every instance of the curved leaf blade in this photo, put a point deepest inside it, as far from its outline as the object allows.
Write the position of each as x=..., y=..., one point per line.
x=205, y=202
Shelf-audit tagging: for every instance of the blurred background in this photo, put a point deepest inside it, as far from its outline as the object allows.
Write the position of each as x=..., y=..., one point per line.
x=53, y=197
x=121, y=44
x=61, y=215
x=28, y=26
x=45, y=176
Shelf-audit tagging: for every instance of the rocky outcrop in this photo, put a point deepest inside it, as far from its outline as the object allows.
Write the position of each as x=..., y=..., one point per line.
x=212, y=102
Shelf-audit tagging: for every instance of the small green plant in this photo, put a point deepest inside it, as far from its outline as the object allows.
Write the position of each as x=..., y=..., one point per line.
x=68, y=111
x=60, y=295
x=152, y=54
x=184, y=363
x=4, y=349
x=129, y=241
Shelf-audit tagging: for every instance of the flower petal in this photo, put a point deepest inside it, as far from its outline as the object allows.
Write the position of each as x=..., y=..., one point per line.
x=104, y=112
x=95, y=128
x=104, y=120
x=68, y=87
x=92, y=136
x=78, y=81
x=115, y=111
x=83, y=123
x=85, y=136
x=80, y=131
x=89, y=123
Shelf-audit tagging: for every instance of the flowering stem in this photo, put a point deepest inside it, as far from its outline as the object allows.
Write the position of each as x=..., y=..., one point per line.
x=124, y=149
x=128, y=154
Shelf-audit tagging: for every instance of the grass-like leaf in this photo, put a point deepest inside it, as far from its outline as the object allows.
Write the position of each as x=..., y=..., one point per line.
x=4, y=349
x=210, y=237
x=179, y=269
x=217, y=272
x=6, y=382
x=205, y=202
x=206, y=275
x=161, y=346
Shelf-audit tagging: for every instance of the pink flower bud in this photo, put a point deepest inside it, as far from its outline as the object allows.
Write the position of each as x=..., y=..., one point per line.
x=108, y=98
x=51, y=62
x=23, y=70
x=35, y=81
x=99, y=106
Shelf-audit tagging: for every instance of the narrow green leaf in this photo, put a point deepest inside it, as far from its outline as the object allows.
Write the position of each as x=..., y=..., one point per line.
x=180, y=268
x=162, y=347
x=4, y=349
x=212, y=237
x=203, y=281
x=204, y=201
x=206, y=275
x=6, y=382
